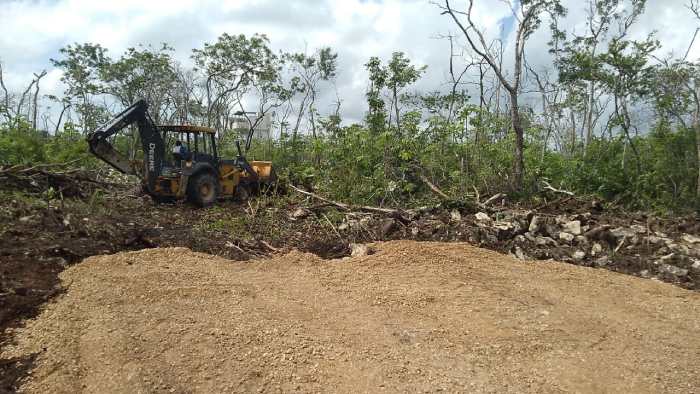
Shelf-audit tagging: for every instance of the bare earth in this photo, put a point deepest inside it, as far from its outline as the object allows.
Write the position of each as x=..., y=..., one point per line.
x=411, y=317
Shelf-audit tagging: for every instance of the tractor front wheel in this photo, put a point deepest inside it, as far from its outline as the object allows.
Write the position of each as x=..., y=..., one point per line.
x=242, y=193
x=203, y=190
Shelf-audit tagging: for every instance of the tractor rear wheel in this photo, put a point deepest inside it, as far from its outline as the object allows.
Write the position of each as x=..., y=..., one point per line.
x=203, y=190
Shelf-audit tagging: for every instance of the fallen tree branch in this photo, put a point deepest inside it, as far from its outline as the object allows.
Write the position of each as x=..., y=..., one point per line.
x=396, y=213
x=272, y=248
x=432, y=187
x=342, y=206
x=493, y=198
x=551, y=188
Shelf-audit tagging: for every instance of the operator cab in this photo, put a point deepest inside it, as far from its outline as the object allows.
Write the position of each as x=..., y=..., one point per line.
x=199, y=143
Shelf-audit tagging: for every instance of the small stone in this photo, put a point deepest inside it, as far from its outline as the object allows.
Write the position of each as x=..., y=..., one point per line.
x=520, y=239
x=299, y=213
x=622, y=232
x=596, y=249
x=667, y=258
x=602, y=261
x=561, y=219
x=572, y=227
x=566, y=237
x=415, y=231
x=388, y=226
x=639, y=229
x=519, y=253
x=696, y=265
x=517, y=226
x=579, y=255
x=455, y=216
x=343, y=226
x=552, y=230
x=673, y=270
x=654, y=240
x=359, y=250
x=25, y=219
x=503, y=226
x=530, y=237
x=534, y=225
x=691, y=239
x=678, y=248
x=482, y=217
x=545, y=241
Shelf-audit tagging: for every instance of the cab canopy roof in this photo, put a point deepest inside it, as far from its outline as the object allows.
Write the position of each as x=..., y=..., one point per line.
x=187, y=129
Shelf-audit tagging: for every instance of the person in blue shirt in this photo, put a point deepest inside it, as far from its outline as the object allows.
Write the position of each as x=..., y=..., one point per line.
x=179, y=153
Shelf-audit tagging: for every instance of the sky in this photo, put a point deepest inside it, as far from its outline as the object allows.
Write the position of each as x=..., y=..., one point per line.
x=32, y=32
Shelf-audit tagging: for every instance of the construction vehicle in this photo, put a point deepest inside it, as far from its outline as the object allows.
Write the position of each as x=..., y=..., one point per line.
x=201, y=177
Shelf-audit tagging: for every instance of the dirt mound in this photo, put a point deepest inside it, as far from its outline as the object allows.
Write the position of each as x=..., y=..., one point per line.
x=410, y=317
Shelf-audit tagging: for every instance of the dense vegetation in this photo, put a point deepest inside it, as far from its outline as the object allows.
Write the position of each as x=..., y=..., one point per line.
x=608, y=117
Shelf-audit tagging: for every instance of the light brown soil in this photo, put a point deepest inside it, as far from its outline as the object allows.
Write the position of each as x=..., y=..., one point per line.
x=411, y=317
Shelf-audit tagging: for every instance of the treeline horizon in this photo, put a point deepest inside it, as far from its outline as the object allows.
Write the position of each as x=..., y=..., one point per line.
x=501, y=125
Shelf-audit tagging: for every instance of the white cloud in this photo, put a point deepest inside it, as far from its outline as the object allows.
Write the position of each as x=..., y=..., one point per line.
x=31, y=32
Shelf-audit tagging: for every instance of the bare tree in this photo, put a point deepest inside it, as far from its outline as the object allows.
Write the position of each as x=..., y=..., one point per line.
x=456, y=77
x=694, y=86
x=35, y=103
x=528, y=16
x=65, y=106
x=5, y=104
x=27, y=104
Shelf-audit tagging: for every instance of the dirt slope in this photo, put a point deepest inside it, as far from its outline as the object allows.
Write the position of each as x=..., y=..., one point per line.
x=411, y=317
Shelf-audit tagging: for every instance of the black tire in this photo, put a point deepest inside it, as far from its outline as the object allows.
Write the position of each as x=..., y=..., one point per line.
x=242, y=192
x=270, y=185
x=162, y=199
x=203, y=190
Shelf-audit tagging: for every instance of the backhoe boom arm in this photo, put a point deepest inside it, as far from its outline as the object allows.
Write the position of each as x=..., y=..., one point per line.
x=151, y=141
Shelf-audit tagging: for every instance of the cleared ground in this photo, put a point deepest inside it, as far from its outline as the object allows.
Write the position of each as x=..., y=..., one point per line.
x=411, y=317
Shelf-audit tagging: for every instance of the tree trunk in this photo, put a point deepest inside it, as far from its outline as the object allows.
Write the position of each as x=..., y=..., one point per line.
x=622, y=113
x=482, y=106
x=60, y=117
x=295, y=132
x=396, y=107
x=589, y=114
x=572, y=117
x=696, y=127
x=317, y=155
x=518, y=168
x=697, y=146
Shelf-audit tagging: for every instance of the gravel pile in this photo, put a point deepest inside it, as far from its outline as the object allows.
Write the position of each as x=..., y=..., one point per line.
x=407, y=317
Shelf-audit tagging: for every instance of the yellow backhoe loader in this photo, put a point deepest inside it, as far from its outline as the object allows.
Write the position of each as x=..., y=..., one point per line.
x=199, y=175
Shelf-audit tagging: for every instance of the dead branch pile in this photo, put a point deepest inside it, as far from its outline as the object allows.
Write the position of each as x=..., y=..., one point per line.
x=60, y=180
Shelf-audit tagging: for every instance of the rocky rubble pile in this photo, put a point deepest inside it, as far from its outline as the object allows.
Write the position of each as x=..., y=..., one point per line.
x=579, y=239
x=631, y=245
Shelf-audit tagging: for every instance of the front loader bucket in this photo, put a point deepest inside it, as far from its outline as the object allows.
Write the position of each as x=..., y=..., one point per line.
x=263, y=169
